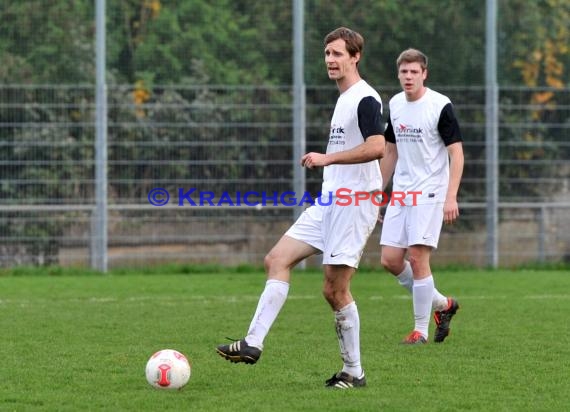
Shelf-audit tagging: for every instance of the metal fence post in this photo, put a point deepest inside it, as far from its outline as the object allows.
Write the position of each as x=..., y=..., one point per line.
x=492, y=137
x=100, y=213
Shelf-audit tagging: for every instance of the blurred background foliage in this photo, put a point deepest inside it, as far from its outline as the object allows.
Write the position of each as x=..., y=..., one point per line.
x=233, y=42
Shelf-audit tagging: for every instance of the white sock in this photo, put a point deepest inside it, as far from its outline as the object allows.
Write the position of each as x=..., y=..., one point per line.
x=422, y=297
x=268, y=307
x=347, y=324
x=439, y=301
x=406, y=278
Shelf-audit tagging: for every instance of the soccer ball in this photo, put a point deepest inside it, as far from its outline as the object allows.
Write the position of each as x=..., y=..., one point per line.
x=168, y=369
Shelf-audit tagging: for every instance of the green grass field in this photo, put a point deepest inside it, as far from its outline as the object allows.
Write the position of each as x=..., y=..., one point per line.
x=79, y=342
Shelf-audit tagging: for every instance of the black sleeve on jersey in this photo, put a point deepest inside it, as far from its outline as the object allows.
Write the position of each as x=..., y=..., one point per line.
x=389, y=133
x=448, y=126
x=370, y=117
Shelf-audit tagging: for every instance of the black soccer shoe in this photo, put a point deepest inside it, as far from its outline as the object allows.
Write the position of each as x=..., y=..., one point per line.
x=343, y=380
x=443, y=319
x=239, y=351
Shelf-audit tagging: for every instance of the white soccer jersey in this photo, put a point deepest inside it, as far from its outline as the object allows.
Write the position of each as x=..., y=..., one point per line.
x=422, y=130
x=357, y=115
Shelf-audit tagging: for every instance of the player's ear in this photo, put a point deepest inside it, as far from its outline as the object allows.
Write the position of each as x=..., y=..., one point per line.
x=357, y=58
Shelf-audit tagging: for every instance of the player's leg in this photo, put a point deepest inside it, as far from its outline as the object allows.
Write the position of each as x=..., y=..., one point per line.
x=425, y=222
x=278, y=264
x=425, y=228
x=286, y=253
x=422, y=293
x=393, y=260
x=394, y=244
x=349, y=228
x=395, y=240
x=336, y=290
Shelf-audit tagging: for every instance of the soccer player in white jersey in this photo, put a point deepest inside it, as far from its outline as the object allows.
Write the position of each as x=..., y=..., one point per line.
x=337, y=231
x=424, y=153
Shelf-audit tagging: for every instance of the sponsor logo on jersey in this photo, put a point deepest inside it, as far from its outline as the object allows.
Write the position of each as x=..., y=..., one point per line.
x=407, y=133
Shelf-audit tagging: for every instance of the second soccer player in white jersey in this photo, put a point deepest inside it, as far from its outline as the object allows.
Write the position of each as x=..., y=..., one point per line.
x=424, y=155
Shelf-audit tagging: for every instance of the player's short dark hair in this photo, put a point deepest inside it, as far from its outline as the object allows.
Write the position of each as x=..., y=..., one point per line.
x=412, y=56
x=354, y=40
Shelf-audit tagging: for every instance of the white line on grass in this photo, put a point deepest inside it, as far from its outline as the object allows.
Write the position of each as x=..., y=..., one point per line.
x=248, y=298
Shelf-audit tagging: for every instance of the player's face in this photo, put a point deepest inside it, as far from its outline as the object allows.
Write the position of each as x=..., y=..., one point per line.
x=412, y=78
x=339, y=62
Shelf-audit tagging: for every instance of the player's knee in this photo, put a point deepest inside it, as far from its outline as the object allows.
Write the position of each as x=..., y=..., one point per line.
x=276, y=264
x=331, y=294
x=269, y=261
x=419, y=265
x=414, y=262
x=335, y=296
x=389, y=263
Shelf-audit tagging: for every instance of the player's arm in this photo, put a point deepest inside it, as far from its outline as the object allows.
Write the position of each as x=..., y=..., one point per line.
x=370, y=124
x=456, y=161
x=448, y=127
x=388, y=163
x=371, y=149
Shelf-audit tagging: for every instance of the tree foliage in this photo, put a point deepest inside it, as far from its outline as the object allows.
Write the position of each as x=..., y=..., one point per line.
x=46, y=41
x=389, y=28
x=235, y=42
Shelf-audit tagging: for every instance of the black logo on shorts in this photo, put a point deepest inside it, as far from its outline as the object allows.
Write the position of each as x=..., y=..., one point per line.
x=333, y=256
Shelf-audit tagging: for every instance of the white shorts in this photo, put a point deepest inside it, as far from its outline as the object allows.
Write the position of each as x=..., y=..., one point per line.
x=339, y=232
x=405, y=226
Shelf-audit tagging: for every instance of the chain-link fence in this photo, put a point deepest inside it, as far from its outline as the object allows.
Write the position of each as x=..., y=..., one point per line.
x=218, y=152
x=200, y=110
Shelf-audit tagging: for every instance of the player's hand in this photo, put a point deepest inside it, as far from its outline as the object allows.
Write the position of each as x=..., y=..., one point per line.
x=450, y=211
x=313, y=159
